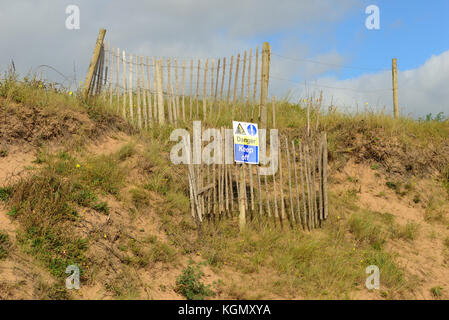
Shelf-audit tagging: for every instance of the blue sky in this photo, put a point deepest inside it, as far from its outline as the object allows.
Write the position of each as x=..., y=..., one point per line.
x=329, y=31
x=411, y=31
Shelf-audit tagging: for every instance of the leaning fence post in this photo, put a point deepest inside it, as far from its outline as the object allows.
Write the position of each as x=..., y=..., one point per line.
x=93, y=63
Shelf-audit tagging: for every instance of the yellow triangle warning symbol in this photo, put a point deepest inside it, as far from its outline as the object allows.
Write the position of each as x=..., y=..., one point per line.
x=239, y=129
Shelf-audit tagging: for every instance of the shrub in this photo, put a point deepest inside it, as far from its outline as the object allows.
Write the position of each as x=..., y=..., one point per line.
x=189, y=285
x=4, y=245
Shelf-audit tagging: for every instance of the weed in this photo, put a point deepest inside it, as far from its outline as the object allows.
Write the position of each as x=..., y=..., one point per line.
x=12, y=212
x=4, y=245
x=416, y=199
x=43, y=207
x=190, y=286
x=157, y=251
x=83, y=195
x=410, y=231
x=392, y=185
x=101, y=207
x=366, y=229
x=446, y=242
x=126, y=151
x=5, y=193
x=436, y=291
x=56, y=291
x=139, y=197
x=124, y=286
x=103, y=172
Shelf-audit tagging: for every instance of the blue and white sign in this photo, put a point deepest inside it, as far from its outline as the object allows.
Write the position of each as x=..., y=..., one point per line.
x=246, y=142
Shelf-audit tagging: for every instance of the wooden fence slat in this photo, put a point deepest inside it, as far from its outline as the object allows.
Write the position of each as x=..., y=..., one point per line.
x=118, y=82
x=315, y=209
x=160, y=99
x=143, y=93
x=309, y=187
x=325, y=196
x=267, y=198
x=320, y=179
x=125, y=89
x=242, y=95
x=276, y=210
x=248, y=85
x=212, y=70
x=130, y=89
x=197, y=89
x=155, y=95
x=223, y=79
x=236, y=80
x=290, y=180
x=139, y=113
x=168, y=91
x=298, y=204
x=251, y=187
x=183, y=89
x=205, y=89
x=150, y=104
x=230, y=79
x=245, y=196
x=111, y=74
x=281, y=185
x=191, y=90
x=217, y=79
x=259, y=186
x=231, y=187
x=176, y=93
x=256, y=68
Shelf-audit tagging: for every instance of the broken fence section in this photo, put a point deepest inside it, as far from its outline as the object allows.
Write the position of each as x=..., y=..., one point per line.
x=296, y=193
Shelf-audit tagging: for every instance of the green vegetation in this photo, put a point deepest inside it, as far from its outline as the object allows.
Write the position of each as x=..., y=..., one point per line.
x=124, y=286
x=4, y=245
x=436, y=291
x=56, y=291
x=150, y=252
x=190, y=286
x=51, y=202
x=5, y=193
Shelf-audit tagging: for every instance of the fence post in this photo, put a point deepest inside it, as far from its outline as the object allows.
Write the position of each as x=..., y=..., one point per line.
x=395, y=87
x=93, y=63
x=242, y=207
x=160, y=97
x=264, y=84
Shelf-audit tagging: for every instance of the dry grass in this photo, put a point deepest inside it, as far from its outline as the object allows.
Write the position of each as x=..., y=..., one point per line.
x=326, y=263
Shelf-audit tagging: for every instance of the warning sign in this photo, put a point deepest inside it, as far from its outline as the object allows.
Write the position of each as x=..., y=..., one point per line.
x=246, y=142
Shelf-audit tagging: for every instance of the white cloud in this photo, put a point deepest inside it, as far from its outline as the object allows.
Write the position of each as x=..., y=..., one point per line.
x=35, y=33
x=421, y=91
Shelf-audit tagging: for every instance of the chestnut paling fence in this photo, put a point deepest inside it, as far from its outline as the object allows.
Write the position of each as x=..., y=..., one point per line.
x=296, y=192
x=147, y=90
x=159, y=90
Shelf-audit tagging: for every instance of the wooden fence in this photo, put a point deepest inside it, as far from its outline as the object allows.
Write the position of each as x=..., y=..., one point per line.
x=145, y=90
x=296, y=192
x=155, y=90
